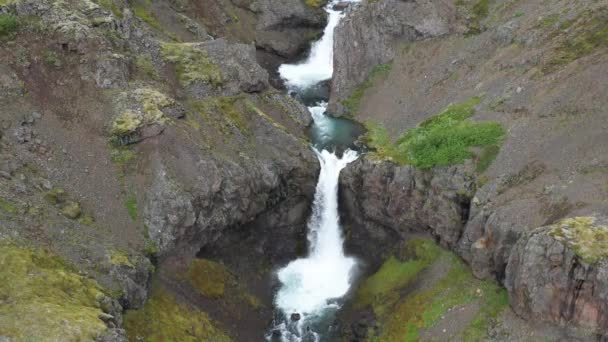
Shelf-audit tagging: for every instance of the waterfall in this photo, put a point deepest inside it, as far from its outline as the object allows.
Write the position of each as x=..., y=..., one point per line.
x=311, y=286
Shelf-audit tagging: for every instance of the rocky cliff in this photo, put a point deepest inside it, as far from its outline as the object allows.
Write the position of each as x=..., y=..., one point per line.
x=130, y=140
x=432, y=88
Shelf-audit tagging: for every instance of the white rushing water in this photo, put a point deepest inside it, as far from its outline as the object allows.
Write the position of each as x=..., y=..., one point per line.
x=310, y=286
x=319, y=65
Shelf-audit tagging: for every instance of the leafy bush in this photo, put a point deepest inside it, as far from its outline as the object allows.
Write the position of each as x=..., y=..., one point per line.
x=444, y=139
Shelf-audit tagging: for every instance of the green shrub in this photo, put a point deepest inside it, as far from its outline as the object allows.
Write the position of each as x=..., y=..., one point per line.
x=8, y=24
x=444, y=139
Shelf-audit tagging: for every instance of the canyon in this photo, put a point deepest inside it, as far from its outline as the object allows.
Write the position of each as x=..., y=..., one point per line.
x=157, y=175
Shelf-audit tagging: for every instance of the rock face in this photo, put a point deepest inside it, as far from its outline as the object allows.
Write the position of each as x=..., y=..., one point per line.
x=369, y=34
x=556, y=274
x=286, y=27
x=380, y=195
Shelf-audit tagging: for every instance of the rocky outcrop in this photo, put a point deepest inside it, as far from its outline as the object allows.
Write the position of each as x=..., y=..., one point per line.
x=371, y=33
x=285, y=28
x=559, y=273
x=382, y=196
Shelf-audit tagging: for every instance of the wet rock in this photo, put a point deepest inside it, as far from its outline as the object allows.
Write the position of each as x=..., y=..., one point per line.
x=559, y=273
x=362, y=41
x=341, y=6
x=285, y=28
x=295, y=317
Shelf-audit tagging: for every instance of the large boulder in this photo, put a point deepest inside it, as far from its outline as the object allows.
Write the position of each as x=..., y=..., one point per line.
x=285, y=28
x=559, y=273
x=370, y=32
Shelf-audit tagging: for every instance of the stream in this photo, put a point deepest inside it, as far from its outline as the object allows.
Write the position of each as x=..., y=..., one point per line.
x=311, y=287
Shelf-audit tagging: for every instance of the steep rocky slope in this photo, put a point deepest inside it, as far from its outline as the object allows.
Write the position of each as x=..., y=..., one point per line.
x=536, y=70
x=130, y=139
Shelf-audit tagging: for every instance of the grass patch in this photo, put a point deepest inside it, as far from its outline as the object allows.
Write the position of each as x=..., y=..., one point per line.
x=403, y=318
x=145, y=67
x=164, y=319
x=120, y=258
x=142, y=12
x=111, y=6
x=229, y=108
x=131, y=206
x=444, y=139
x=382, y=288
x=353, y=102
x=42, y=298
x=591, y=34
x=52, y=58
x=191, y=64
x=8, y=24
x=210, y=278
x=584, y=236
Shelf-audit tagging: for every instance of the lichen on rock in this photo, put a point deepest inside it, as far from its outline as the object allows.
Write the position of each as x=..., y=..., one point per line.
x=587, y=238
x=191, y=64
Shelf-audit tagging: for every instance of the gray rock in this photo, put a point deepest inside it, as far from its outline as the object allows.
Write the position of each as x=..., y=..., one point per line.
x=367, y=36
x=547, y=280
x=113, y=335
x=404, y=199
x=239, y=68
x=10, y=84
x=112, y=71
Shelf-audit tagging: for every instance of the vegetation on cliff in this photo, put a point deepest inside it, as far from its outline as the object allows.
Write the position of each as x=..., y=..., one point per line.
x=442, y=140
x=41, y=297
x=405, y=317
x=584, y=236
x=163, y=318
x=191, y=64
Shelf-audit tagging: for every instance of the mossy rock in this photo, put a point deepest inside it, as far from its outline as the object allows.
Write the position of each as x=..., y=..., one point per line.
x=164, y=319
x=42, y=299
x=71, y=210
x=56, y=196
x=583, y=235
x=191, y=64
x=208, y=277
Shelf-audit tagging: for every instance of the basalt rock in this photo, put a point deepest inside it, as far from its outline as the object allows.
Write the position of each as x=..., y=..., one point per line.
x=559, y=273
x=385, y=199
x=369, y=35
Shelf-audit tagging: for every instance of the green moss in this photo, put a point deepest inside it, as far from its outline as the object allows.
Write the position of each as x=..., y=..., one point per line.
x=56, y=196
x=142, y=12
x=8, y=207
x=481, y=9
x=403, y=317
x=151, y=102
x=71, y=210
x=315, y=3
x=382, y=288
x=164, y=319
x=229, y=108
x=584, y=236
x=191, y=64
x=352, y=103
x=8, y=24
x=41, y=298
x=131, y=206
x=209, y=277
x=111, y=6
x=126, y=123
x=145, y=67
x=120, y=258
x=121, y=156
x=444, y=139
x=590, y=34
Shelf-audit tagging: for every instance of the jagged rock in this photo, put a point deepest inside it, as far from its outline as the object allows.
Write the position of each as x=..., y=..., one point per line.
x=113, y=335
x=112, y=71
x=285, y=28
x=559, y=273
x=381, y=195
x=367, y=37
x=295, y=317
x=239, y=70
